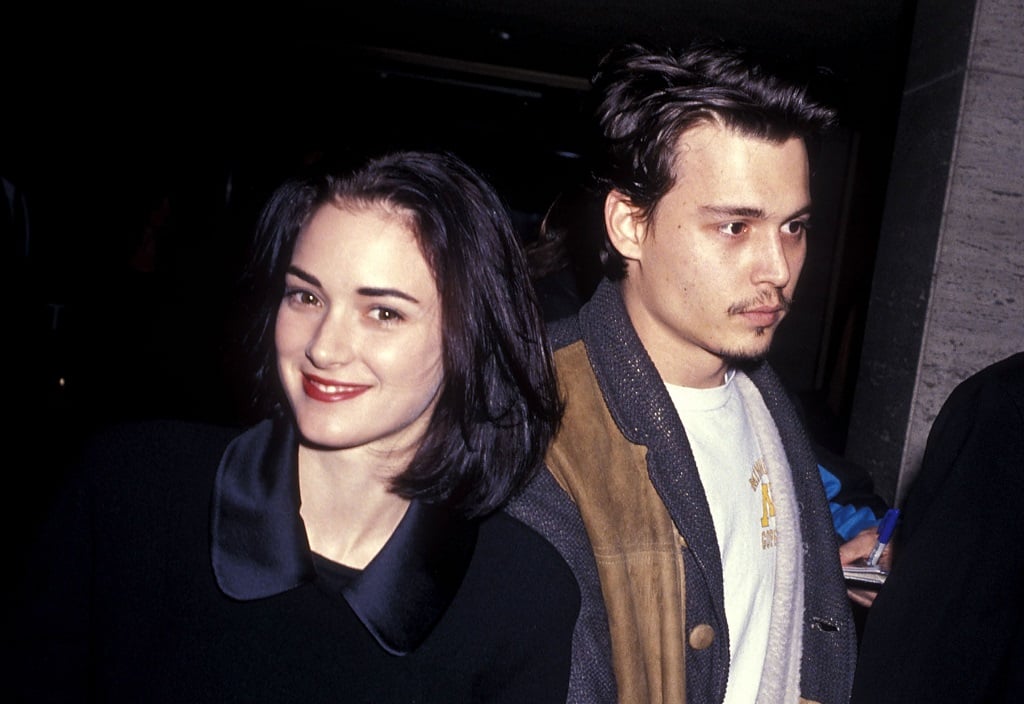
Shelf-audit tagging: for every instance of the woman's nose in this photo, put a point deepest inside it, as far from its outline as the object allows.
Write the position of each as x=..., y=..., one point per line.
x=332, y=343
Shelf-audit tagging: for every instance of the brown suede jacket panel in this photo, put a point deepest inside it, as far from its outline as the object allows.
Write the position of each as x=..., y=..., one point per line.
x=619, y=417
x=636, y=546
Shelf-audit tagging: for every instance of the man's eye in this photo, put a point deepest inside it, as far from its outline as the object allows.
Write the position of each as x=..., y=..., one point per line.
x=733, y=228
x=795, y=227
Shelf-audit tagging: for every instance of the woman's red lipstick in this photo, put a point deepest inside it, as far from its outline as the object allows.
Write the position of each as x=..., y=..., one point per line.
x=330, y=391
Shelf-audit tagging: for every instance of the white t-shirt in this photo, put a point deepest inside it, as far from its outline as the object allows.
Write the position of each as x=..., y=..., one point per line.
x=732, y=469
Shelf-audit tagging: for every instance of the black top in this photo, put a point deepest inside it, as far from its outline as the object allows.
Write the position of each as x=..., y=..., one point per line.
x=948, y=625
x=126, y=601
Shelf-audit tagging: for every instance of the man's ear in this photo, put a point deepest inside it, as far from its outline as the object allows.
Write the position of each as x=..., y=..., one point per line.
x=625, y=224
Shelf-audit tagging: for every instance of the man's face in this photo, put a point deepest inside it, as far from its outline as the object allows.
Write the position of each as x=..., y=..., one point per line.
x=712, y=271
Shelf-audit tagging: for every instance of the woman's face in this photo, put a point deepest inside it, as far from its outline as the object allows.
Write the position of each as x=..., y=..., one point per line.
x=358, y=333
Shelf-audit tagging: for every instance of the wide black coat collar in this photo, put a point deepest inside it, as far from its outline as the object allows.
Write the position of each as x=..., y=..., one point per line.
x=260, y=549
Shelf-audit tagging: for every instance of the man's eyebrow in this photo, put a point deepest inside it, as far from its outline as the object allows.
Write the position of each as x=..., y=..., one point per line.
x=745, y=211
x=734, y=211
x=806, y=210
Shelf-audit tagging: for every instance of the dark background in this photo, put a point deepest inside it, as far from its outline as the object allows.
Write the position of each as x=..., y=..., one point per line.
x=144, y=141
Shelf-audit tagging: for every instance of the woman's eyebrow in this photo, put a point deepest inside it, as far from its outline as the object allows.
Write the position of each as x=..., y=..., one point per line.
x=304, y=275
x=370, y=291
x=379, y=292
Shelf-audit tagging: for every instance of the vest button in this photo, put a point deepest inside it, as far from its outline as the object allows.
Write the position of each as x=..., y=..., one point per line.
x=701, y=636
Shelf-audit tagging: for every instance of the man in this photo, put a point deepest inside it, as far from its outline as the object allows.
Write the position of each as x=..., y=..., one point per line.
x=682, y=487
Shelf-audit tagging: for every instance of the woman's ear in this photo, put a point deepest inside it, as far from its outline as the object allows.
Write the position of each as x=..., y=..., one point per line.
x=625, y=224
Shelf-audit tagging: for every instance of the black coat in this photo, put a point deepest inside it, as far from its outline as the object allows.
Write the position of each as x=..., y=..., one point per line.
x=948, y=626
x=124, y=602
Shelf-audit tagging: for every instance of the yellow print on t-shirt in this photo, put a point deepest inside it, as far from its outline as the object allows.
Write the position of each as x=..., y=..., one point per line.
x=758, y=474
x=767, y=505
x=759, y=482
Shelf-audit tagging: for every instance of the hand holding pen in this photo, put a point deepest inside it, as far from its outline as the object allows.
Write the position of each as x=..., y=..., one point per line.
x=885, y=530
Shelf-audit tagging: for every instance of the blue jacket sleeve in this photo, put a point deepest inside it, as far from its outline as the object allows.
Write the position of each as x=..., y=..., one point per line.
x=847, y=519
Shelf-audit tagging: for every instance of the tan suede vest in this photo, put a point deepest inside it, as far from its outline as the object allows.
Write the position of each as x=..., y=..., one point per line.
x=636, y=546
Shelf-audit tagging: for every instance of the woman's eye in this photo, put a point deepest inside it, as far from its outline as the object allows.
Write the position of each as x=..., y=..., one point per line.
x=386, y=315
x=302, y=298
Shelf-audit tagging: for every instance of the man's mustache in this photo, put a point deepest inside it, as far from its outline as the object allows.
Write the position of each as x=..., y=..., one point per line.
x=774, y=298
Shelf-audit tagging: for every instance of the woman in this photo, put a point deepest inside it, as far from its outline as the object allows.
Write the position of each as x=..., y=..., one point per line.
x=349, y=547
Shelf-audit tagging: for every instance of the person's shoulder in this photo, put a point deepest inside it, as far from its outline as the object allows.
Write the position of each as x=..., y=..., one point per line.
x=501, y=528
x=523, y=551
x=977, y=429
x=151, y=437
x=564, y=331
x=1005, y=375
x=997, y=385
x=522, y=574
x=1009, y=369
x=139, y=469
x=152, y=448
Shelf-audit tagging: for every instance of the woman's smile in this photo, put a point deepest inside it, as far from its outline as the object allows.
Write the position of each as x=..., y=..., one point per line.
x=320, y=389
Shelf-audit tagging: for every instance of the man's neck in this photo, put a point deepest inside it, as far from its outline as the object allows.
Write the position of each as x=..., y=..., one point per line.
x=679, y=361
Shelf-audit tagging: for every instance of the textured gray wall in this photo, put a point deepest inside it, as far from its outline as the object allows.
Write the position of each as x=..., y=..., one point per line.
x=948, y=292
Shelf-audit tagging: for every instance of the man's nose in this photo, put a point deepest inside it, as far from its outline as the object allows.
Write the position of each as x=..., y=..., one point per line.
x=772, y=261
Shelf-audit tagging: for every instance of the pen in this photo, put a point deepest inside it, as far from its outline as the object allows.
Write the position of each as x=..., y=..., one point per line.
x=884, y=535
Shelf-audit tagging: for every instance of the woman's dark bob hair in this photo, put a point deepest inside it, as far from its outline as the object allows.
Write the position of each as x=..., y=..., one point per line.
x=499, y=405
